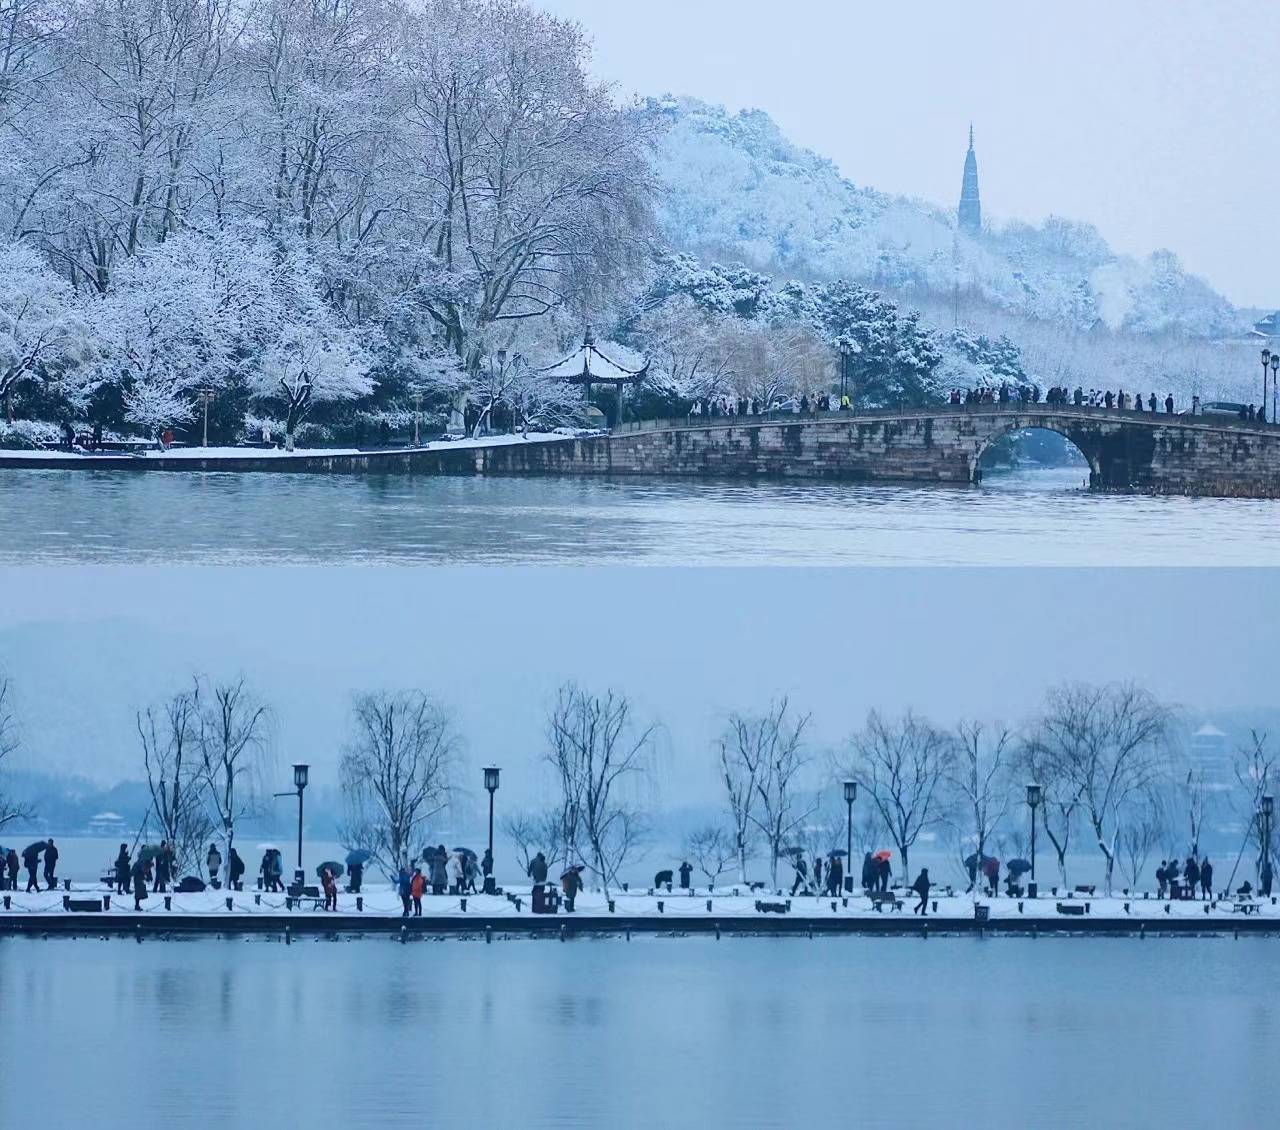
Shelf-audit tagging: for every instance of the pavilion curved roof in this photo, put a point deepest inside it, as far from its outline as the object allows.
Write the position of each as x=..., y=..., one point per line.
x=588, y=365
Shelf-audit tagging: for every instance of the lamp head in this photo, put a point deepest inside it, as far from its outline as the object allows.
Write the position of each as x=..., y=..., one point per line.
x=300, y=773
x=1034, y=795
x=1268, y=804
x=491, y=777
x=850, y=791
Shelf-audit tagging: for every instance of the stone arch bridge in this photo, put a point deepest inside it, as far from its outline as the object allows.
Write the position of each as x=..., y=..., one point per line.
x=1126, y=450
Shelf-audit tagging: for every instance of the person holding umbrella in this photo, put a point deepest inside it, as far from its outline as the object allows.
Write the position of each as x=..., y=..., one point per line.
x=883, y=870
x=870, y=873
x=140, y=879
x=31, y=860
x=991, y=872
x=835, y=874
x=355, y=869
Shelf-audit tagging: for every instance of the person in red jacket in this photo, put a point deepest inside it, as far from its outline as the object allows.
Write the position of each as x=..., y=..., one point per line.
x=417, y=887
x=330, y=889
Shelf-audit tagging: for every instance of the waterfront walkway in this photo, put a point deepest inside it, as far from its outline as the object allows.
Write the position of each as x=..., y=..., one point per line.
x=378, y=911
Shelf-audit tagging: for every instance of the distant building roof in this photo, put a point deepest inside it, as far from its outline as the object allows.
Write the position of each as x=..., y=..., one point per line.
x=1268, y=326
x=1209, y=730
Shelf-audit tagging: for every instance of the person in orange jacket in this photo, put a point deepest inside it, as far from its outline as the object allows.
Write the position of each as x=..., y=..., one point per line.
x=417, y=886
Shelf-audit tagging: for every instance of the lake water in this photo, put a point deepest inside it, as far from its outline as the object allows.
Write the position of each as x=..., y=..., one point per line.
x=1027, y=518
x=758, y=1032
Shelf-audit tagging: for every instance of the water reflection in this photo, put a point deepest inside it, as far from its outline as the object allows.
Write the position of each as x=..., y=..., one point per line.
x=1034, y=517
x=764, y=1032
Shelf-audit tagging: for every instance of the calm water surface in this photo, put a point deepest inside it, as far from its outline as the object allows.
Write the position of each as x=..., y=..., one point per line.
x=656, y=1032
x=1030, y=518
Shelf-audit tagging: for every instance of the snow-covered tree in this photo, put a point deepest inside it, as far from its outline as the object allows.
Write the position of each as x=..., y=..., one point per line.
x=39, y=326
x=310, y=355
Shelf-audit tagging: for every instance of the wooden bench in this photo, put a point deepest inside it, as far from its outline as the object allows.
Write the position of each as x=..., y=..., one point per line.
x=772, y=907
x=1085, y=890
x=1069, y=908
x=880, y=899
x=1244, y=908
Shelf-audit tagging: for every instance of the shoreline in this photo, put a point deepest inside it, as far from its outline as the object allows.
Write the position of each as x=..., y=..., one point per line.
x=379, y=914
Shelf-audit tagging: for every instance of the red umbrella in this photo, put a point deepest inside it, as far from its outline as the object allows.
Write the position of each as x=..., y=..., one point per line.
x=882, y=855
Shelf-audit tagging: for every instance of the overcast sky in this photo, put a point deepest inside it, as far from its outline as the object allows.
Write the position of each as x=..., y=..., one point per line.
x=86, y=646
x=1157, y=121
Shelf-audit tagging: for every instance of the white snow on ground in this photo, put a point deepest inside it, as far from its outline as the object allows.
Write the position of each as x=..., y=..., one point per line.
x=74, y=458
x=381, y=900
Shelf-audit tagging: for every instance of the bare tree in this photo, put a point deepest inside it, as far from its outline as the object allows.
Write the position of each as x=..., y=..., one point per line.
x=902, y=765
x=1107, y=745
x=534, y=832
x=1140, y=831
x=397, y=772
x=600, y=760
x=978, y=775
x=738, y=774
x=712, y=848
x=174, y=770
x=1256, y=770
x=233, y=741
x=763, y=755
x=10, y=809
x=1060, y=799
x=1194, y=794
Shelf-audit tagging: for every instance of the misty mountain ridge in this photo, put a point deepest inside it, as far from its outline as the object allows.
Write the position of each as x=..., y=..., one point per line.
x=738, y=189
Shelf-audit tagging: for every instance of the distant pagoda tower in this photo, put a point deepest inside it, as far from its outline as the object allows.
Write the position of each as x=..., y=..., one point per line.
x=970, y=205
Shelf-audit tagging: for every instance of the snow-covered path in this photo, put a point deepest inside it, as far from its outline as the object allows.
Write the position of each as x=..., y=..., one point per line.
x=380, y=907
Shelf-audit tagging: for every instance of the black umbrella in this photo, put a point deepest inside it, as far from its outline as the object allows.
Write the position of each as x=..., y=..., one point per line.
x=336, y=869
x=467, y=852
x=357, y=858
x=33, y=850
x=837, y=853
x=972, y=860
x=1017, y=866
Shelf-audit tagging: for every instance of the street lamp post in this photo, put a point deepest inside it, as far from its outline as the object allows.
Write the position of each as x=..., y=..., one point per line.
x=1275, y=365
x=1034, y=796
x=491, y=783
x=850, y=795
x=1266, y=364
x=300, y=773
x=205, y=395
x=417, y=417
x=844, y=369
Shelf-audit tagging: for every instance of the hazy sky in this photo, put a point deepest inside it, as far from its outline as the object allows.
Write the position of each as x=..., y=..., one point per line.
x=1157, y=121
x=86, y=646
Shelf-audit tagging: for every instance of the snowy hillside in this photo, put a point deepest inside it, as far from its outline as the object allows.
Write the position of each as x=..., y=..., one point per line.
x=739, y=190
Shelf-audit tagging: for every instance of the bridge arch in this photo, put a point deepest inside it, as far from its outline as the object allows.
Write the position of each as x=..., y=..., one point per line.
x=1076, y=438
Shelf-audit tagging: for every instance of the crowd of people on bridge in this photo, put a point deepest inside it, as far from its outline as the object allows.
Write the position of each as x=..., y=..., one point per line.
x=1060, y=394
x=807, y=403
